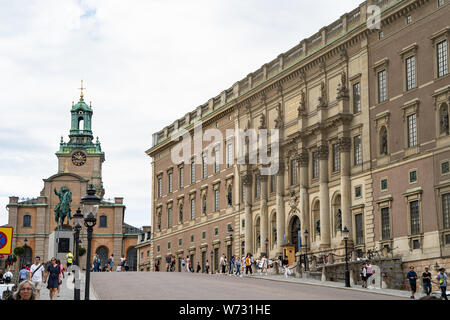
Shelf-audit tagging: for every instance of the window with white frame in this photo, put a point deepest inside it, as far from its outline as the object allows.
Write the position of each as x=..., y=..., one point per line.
x=192, y=208
x=382, y=86
x=336, y=160
x=410, y=72
x=294, y=167
x=216, y=200
x=315, y=165
x=216, y=161
x=230, y=153
x=181, y=176
x=257, y=186
x=414, y=217
x=385, y=224
x=357, y=148
x=193, y=171
x=159, y=187
x=357, y=97
x=169, y=217
x=446, y=210
x=442, y=58
x=170, y=175
x=412, y=130
x=204, y=167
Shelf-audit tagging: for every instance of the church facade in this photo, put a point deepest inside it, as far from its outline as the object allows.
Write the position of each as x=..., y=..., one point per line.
x=355, y=149
x=80, y=163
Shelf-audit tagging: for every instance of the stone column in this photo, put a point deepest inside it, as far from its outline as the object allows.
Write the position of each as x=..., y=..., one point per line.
x=325, y=238
x=280, y=207
x=303, y=162
x=264, y=214
x=247, y=179
x=344, y=152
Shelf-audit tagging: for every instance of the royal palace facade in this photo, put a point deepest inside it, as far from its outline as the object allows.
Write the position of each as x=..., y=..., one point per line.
x=362, y=118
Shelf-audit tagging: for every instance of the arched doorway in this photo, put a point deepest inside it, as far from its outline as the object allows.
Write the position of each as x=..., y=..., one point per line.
x=132, y=259
x=257, y=234
x=295, y=232
x=102, y=253
x=27, y=258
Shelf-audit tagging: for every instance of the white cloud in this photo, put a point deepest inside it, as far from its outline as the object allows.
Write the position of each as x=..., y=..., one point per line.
x=145, y=63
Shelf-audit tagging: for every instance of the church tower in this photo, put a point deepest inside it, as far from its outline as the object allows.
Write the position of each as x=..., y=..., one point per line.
x=80, y=155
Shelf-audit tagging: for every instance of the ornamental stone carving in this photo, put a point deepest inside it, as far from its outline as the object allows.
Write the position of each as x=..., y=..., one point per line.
x=293, y=201
x=279, y=119
x=262, y=122
x=247, y=179
x=322, y=152
x=345, y=144
x=323, y=96
x=302, y=105
x=342, y=90
x=303, y=159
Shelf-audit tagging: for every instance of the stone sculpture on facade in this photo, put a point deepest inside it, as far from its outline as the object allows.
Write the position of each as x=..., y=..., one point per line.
x=342, y=87
x=302, y=107
x=444, y=120
x=322, y=98
x=279, y=119
x=339, y=220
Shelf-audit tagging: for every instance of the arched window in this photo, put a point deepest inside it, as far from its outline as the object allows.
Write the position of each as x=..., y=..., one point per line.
x=383, y=141
x=102, y=253
x=443, y=116
x=103, y=221
x=80, y=123
x=27, y=221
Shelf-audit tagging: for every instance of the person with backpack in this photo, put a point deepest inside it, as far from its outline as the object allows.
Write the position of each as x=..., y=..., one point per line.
x=442, y=283
x=7, y=277
x=23, y=273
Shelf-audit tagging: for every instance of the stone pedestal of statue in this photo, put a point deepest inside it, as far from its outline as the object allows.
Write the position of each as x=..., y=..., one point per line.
x=59, y=244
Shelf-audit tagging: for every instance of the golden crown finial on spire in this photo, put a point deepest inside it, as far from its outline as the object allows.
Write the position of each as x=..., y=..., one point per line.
x=81, y=95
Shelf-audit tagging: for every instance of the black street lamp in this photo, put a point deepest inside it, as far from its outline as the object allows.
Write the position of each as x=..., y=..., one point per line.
x=306, y=250
x=77, y=221
x=345, y=233
x=90, y=204
x=212, y=264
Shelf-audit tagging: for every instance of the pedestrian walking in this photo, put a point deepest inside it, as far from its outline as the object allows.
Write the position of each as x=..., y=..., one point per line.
x=111, y=262
x=36, y=273
x=61, y=275
x=223, y=262
x=157, y=266
x=442, y=282
x=52, y=278
x=412, y=277
x=23, y=273
x=207, y=267
x=231, y=266
x=198, y=267
x=183, y=264
x=237, y=262
x=285, y=262
x=248, y=264
x=125, y=265
x=364, y=275
x=97, y=262
x=69, y=261
x=263, y=265
x=369, y=273
x=426, y=279
x=168, y=260
x=25, y=291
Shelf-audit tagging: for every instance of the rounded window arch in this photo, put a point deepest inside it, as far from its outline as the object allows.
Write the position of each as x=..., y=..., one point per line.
x=102, y=253
x=294, y=228
x=383, y=139
x=132, y=259
x=273, y=229
x=80, y=123
x=337, y=214
x=28, y=256
x=315, y=213
x=27, y=221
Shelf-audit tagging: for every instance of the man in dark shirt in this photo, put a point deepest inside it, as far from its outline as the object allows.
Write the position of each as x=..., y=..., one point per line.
x=426, y=278
x=412, y=277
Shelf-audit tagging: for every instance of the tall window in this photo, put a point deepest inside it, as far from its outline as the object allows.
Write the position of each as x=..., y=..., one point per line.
x=27, y=221
x=192, y=209
x=442, y=57
x=193, y=171
x=359, y=229
x=293, y=172
x=382, y=89
x=412, y=131
x=229, y=153
x=216, y=161
x=273, y=183
x=357, y=149
x=204, y=167
x=170, y=182
x=159, y=187
x=410, y=73
x=446, y=210
x=169, y=217
x=414, y=216
x=159, y=221
x=181, y=177
x=103, y=221
x=385, y=224
x=315, y=165
x=336, y=162
x=356, y=97
x=257, y=186
x=216, y=200
x=204, y=204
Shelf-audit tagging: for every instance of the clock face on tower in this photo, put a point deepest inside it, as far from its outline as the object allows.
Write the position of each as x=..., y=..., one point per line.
x=78, y=158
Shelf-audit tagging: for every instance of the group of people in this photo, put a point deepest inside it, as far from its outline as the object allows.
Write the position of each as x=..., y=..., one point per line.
x=367, y=272
x=427, y=280
x=32, y=279
x=109, y=266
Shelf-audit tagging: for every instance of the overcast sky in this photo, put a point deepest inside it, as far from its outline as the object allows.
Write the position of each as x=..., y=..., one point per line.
x=144, y=63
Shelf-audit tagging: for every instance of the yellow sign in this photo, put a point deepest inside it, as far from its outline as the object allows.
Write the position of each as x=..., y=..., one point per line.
x=6, y=236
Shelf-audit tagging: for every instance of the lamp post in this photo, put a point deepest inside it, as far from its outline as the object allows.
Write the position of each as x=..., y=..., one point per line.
x=306, y=250
x=345, y=233
x=77, y=221
x=90, y=204
x=212, y=264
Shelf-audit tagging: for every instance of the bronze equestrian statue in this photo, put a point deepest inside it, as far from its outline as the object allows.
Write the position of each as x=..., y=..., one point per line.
x=62, y=209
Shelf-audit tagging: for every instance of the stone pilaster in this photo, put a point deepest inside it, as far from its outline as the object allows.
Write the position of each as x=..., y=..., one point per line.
x=280, y=208
x=247, y=180
x=264, y=214
x=325, y=238
x=303, y=161
x=346, y=194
